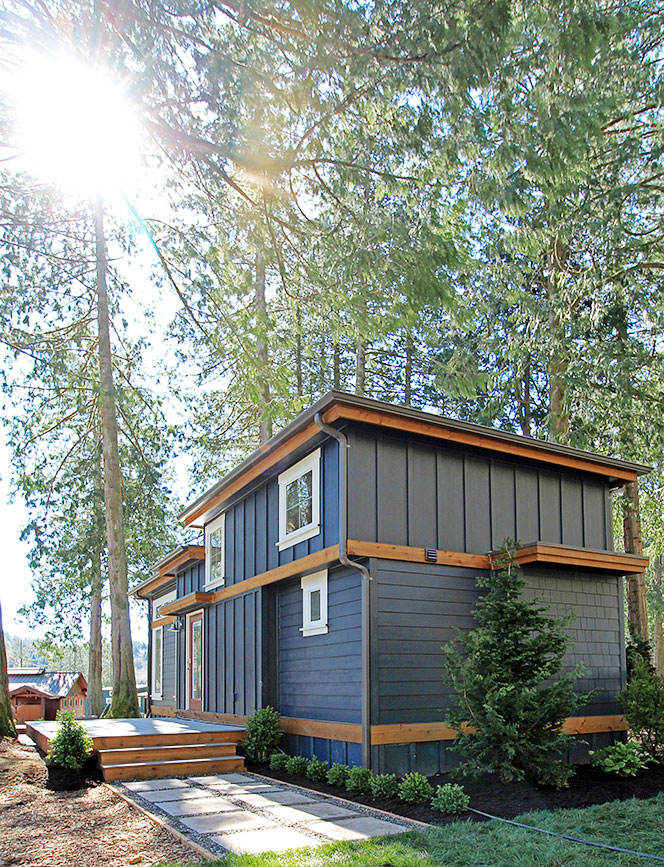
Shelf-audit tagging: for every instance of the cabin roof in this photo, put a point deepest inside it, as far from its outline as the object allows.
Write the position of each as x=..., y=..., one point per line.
x=52, y=684
x=341, y=405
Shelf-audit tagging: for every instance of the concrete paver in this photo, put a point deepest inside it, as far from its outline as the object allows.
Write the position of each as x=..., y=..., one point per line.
x=254, y=842
x=219, y=822
x=175, y=795
x=245, y=813
x=196, y=806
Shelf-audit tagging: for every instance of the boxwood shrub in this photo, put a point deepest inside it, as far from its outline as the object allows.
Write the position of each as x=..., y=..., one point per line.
x=338, y=775
x=297, y=765
x=359, y=780
x=415, y=789
x=385, y=786
x=317, y=770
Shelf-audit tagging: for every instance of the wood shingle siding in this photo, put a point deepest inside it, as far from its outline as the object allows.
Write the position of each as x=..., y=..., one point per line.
x=408, y=492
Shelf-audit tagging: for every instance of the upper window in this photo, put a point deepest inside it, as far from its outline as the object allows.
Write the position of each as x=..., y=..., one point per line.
x=299, y=501
x=314, y=603
x=157, y=660
x=214, y=552
x=161, y=601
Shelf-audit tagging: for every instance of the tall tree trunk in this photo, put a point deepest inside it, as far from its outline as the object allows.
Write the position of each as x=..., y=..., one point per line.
x=525, y=410
x=360, y=366
x=265, y=424
x=298, y=352
x=125, y=700
x=637, y=605
x=7, y=727
x=95, y=693
x=336, y=365
x=658, y=637
x=558, y=361
x=408, y=373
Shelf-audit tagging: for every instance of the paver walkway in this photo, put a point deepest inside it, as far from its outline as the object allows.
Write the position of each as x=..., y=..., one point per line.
x=247, y=813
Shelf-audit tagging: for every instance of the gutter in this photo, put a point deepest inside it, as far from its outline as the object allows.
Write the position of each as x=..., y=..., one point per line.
x=365, y=578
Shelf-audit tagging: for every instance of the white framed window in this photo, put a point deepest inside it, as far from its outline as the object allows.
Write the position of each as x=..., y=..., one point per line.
x=299, y=501
x=160, y=601
x=314, y=603
x=215, y=540
x=157, y=661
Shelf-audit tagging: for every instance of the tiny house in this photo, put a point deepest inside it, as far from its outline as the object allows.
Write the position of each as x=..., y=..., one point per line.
x=35, y=693
x=343, y=555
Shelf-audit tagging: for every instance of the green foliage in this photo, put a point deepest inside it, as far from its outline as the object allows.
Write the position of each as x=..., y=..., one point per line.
x=338, y=775
x=263, y=734
x=507, y=676
x=359, y=779
x=415, y=789
x=385, y=786
x=625, y=760
x=450, y=798
x=278, y=761
x=642, y=701
x=297, y=765
x=317, y=770
x=637, y=650
x=71, y=745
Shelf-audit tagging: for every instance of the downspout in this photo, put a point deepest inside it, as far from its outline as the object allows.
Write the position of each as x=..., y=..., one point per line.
x=365, y=577
x=148, y=696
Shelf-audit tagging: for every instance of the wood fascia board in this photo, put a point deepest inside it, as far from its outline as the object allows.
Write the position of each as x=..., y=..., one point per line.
x=287, y=570
x=162, y=621
x=438, y=431
x=192, y=600
x=193, y=552
x=406, y=733
x=614, y=561
x=261, y=466
x=149, y=587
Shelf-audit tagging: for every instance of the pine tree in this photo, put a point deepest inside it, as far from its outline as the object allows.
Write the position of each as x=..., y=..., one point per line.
x=508, y=678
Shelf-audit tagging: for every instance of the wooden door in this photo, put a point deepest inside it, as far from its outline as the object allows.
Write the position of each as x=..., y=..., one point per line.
x=195, y=661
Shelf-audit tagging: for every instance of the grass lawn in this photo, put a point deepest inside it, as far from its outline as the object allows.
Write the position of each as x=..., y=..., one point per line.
x=631, y=824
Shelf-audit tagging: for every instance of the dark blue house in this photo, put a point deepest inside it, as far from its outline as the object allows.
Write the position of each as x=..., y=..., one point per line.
x=342, y=555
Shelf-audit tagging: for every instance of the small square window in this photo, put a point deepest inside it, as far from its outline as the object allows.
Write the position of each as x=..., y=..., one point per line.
x=314, y=603
x=214, y=552
x=299, y=501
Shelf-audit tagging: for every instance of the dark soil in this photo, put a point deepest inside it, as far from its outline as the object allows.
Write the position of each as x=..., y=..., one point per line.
x=62, y=779
x=587, y=787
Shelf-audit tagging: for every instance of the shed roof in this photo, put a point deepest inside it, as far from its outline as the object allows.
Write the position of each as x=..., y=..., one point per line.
x=340, y=405
x=54, y=684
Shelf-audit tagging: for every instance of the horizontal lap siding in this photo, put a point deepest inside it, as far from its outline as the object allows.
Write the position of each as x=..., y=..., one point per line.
x=320, y=675
x=417, y=609
x=405, y=491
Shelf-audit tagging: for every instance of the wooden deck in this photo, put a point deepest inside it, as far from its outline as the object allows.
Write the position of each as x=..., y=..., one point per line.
x=156, y=747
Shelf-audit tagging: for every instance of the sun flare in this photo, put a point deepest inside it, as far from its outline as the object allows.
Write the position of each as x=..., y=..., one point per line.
x=77, y=127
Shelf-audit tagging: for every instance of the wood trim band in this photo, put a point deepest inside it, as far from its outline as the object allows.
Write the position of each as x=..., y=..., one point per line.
x=254, y=472
x=150, y=586
x=406, y=733
x=193, y=552
x=162, y=621
x=289, y=725
x=416, y=555
x=193, y=600
x=287, y=570
x=396, y=422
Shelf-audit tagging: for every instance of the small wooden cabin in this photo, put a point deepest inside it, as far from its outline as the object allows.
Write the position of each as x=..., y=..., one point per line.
x=36, y=693
x=341, y=556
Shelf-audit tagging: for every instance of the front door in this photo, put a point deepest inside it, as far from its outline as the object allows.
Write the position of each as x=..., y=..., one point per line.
x=195, y=661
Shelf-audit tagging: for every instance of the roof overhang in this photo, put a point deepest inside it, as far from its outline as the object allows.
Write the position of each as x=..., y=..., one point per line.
x=339, y=406
x=27, y=689
x=167, y=568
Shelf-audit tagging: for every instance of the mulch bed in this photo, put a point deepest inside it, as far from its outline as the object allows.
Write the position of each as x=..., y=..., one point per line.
x=587, y=787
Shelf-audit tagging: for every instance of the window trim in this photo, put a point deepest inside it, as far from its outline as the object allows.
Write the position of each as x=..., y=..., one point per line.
x=153, y=694
x=309, y=584
x=309, y=463
x=219, y=523
x=160, y=601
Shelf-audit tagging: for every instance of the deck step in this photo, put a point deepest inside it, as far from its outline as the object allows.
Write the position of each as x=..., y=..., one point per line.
x=166, y=753
x=129, y=741
x=172, y=768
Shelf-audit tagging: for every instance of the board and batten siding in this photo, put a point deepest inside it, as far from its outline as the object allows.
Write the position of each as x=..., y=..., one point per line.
x=406, y=491
x=169, y=672
x=418, y=608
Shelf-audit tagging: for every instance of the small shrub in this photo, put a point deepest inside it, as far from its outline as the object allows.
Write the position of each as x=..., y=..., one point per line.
x=317, y=770
x=359, y=780
x=278, y=761
x=385, y=786
x=71, y=745
x=338, y=775
x=642, y=701
x=262, y=735
x=625, y=760
x=297, y=765
x=450, y=798
x=415, y=789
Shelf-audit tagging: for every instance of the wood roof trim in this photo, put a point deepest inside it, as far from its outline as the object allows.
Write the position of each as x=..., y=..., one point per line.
x=611, y=561
x=179, y=606
x=167, y=569
x=439, y=431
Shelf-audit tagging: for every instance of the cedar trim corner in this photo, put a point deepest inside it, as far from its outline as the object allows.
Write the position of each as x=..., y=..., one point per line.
x=344, y=407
